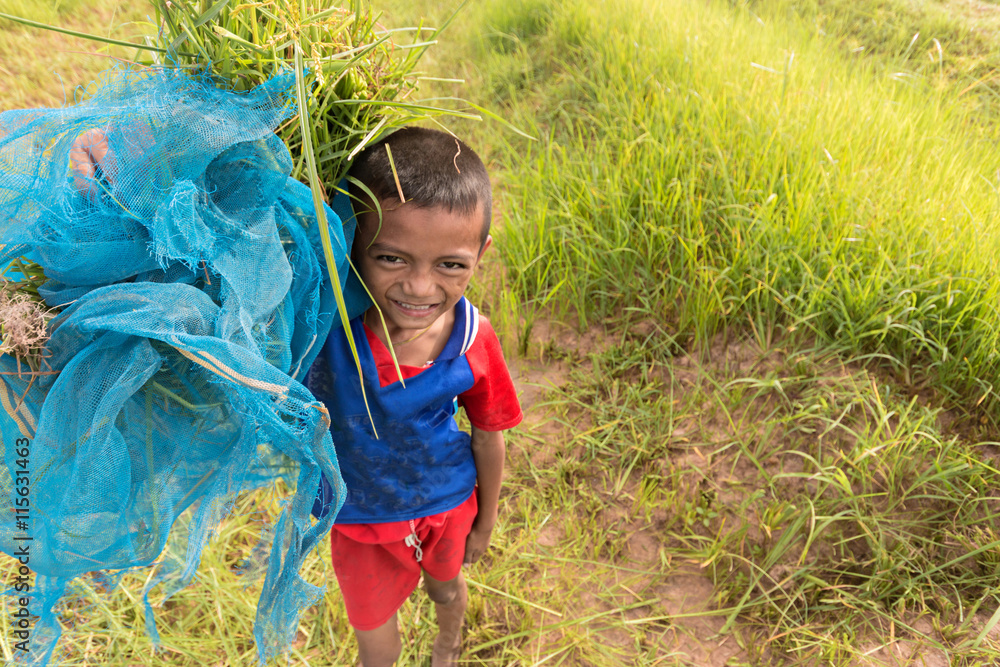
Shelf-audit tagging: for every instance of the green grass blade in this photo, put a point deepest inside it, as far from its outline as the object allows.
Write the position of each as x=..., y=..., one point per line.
x=211, y=13
x=302, y=96
x=82, y=35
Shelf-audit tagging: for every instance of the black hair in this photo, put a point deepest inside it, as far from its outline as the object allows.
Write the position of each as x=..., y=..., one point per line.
x=434, y=169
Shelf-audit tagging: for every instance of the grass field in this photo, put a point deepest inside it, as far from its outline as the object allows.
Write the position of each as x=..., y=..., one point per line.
x=746, y=276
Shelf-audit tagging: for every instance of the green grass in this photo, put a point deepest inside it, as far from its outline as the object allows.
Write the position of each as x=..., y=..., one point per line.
x=39, y=69
x=749, y=175
x=748, y=275
x=825, y=504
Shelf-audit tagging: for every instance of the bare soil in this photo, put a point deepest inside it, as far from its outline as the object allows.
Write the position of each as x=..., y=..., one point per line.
x=682, y=597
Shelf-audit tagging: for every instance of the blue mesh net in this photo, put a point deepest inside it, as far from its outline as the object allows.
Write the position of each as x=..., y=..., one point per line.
x=190, y=276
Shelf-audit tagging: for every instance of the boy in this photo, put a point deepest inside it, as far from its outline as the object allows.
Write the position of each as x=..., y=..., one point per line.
x=422, y=496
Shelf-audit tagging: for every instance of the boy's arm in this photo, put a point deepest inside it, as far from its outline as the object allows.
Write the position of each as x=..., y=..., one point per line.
x=488, y=450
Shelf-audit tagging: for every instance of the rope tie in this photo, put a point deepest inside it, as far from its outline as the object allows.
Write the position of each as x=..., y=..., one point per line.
x=413, y=541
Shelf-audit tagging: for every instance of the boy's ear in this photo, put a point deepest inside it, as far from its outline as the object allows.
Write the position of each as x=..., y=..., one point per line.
x=482, y=251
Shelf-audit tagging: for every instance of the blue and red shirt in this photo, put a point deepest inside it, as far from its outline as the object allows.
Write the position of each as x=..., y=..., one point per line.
x=421, y=463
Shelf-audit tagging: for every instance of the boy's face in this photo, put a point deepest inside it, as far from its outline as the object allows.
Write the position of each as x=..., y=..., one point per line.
x=420, y=262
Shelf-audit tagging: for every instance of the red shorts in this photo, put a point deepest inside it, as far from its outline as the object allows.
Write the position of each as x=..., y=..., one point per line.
x=377, y=570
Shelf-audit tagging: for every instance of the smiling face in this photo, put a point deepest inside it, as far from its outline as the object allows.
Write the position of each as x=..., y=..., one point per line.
x=418, y=266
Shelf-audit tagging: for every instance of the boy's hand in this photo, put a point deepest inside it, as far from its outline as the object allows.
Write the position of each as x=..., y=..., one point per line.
x=488, y=450
x=89, y=153
x=477, y=543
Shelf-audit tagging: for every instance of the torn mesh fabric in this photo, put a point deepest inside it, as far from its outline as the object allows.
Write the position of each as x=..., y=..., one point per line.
x=194, y=298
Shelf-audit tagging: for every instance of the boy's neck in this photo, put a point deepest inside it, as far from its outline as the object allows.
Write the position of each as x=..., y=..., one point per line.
x=413, y=347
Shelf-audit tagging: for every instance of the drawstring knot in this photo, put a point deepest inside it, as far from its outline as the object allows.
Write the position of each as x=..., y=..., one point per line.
x=413, y=541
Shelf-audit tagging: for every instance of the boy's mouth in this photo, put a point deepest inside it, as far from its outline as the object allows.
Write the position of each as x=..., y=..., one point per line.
x=414, y=309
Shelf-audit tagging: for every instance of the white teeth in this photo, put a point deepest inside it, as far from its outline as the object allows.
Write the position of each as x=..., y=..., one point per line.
x=407, y=306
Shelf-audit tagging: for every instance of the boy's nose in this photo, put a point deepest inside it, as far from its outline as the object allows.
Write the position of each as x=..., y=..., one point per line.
x=419, y=285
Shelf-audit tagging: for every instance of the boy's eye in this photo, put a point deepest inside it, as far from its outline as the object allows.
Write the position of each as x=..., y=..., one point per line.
x=453, y=265
x=390, y=259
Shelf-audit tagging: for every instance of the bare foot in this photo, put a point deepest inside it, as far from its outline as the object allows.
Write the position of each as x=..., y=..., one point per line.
x=444, y=655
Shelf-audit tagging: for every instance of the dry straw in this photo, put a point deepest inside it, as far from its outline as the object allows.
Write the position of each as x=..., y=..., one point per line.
x=23, y=315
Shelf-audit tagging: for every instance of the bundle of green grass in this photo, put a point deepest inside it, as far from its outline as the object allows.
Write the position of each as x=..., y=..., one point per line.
x=164, y=300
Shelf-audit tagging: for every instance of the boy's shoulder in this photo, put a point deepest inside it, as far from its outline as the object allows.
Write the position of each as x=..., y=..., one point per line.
x=465, y=329
x=473, y=337
x=491, y=403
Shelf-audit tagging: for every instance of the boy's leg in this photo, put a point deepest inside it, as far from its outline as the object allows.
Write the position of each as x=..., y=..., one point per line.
x=379, y=647
x=451, y=598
